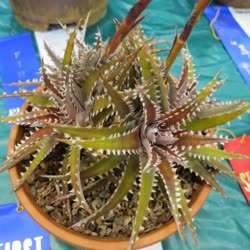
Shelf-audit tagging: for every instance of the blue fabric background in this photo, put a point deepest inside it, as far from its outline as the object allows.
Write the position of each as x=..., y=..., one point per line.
x=221, y=224
x=231, y=34
x=32, y=238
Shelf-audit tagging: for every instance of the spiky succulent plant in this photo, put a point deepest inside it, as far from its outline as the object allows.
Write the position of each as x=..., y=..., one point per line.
x=117, y=104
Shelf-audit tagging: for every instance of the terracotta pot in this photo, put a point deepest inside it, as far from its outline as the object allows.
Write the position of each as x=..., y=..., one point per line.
x=38, y=15
x=235, y=3
x=80, y=240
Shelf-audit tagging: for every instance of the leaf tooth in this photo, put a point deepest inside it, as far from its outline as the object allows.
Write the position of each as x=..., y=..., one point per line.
x=76, y=200
x=208, y=157
x=151, y=198
x=124, y=152
x=22, y=174
x=125, y=198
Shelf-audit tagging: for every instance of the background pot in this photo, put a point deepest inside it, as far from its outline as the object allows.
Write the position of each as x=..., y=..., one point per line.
x=235, y=3
x=39, y=14
x=80, y=240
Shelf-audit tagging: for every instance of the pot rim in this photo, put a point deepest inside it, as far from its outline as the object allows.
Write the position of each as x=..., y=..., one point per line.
x=84, y=241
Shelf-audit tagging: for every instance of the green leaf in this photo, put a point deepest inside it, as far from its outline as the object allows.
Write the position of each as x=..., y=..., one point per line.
x=222, y=108
x=94, y=76
x=25, y=95
x=147, y=179
x=218, y=165
x=117, y=99
x=202, y=171
x=209, y=89
x=41, y=101
x=99, y=184
x=102, y=166
x=47, y=144
x=102, y=116
x=191, y=70
x=89, y=133
x=100, y=103
x=124, y=70
x=27, y=83
x=215, y=120
x=151, y=67
x=29, y=118
x=27, y=147
x=125, y=143
x=70, y=45
x=172, y=186
x=125, y=184
x=75, y=179
x=183, y=204
x=215, y=153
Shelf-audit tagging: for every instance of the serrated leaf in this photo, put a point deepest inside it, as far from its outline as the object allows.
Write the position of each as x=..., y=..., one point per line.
x=92, y=79
x=195, y=140
x=75, y=179
x=199, y=168
x=27, y=147
x=70, y=45
x=183, y=205
x=178, y=114
x=216, y=120
x=221, y=167
x=191, y=71
x=100, y=104
x=216, y=153
x=49, y=85
x=121, y=106
x=125, y=184
x=124, y=69
x=209, y=89
x=27, y=83
x=126, y=143
x=41, y=101
x=47, y=145
x=171, y=183
x=150, y=111
x=102, y=116
x=25, y=94
x=151, y=68
x=54, y=58
x=147, y=179
x=90, y=133
x=29, y=118
x=218, y=109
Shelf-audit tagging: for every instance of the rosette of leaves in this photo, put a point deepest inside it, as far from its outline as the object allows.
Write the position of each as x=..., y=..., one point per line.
x=116, y=105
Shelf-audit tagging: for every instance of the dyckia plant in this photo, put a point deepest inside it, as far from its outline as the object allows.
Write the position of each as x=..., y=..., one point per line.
x=118, y=106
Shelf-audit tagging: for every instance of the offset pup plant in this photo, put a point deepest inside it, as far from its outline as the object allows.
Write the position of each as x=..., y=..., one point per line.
x=114, y=116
